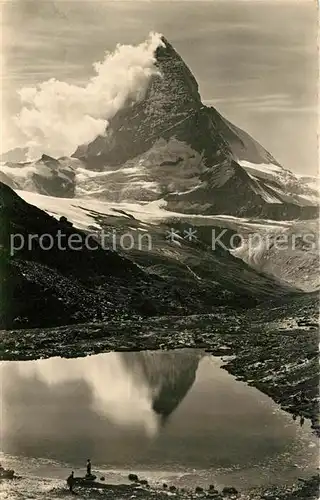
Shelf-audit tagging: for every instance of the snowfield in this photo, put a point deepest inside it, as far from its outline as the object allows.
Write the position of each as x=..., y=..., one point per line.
x=297, y=266
x=284, y=184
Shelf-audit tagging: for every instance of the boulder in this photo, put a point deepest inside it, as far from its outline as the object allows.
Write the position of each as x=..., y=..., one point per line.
x=133, y=477
x=229, y=490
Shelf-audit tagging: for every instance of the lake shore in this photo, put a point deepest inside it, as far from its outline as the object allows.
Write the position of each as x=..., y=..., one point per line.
x=279, y=357
x=302, y=490
x=307, y=489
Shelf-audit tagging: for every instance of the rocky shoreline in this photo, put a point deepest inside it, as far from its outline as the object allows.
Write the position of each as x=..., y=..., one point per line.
x=304, y=489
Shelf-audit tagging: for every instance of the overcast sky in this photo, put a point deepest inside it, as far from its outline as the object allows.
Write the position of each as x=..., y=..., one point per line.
x=255, y=61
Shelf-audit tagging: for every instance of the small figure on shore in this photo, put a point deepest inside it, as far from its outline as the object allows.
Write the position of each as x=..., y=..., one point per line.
x=70, y=481
x=88, y=467
x=301, y=421
x=89, y=476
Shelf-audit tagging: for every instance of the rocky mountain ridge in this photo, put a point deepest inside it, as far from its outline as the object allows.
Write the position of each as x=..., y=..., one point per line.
x=170, y=146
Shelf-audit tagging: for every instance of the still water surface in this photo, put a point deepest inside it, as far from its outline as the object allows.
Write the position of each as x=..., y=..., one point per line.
x=173, y=414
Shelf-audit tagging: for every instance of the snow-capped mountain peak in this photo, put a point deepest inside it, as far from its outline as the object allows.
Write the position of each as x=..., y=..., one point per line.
x=168, y=145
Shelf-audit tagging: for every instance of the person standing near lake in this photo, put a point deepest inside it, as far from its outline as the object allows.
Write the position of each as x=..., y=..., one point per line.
x=88, y=467
x=70, y=481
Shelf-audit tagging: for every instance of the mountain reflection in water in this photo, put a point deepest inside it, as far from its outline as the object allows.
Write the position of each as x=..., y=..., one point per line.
x=50, y=402
x=144, y=409
x=169, y=375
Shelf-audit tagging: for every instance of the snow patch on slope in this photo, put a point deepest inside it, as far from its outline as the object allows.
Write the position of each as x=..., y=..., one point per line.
x=293, y=188
x=267, y=196
x=151, y=212
x=291, y=253
x=297, y=265
x=266, y=168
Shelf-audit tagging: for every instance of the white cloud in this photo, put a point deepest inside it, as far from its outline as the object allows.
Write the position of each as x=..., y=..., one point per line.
x=58, y=116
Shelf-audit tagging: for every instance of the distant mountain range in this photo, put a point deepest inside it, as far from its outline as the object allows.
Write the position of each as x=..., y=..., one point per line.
x=170, y=146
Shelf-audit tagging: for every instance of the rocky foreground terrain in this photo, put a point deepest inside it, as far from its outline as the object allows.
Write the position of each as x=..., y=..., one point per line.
x=303, y=490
